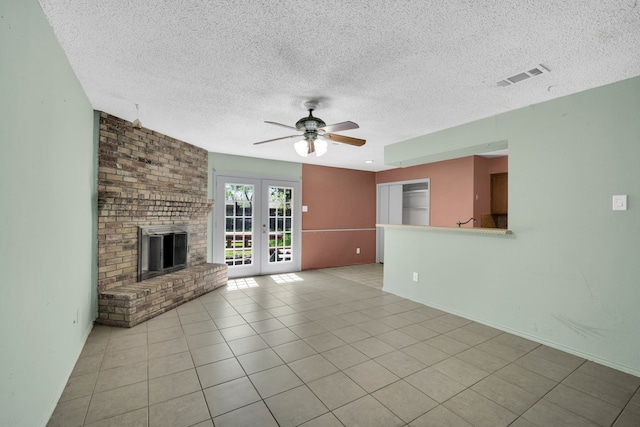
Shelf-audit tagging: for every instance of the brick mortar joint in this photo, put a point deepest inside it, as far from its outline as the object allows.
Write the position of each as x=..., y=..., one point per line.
x=181, y=204
x=109, y=197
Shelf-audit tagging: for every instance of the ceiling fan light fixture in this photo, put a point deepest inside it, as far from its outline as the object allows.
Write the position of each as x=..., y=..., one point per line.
x=302, y=148
x=309, y=146
x=321, y=146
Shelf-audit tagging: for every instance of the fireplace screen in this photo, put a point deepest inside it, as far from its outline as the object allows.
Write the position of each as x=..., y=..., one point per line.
x=162, y=250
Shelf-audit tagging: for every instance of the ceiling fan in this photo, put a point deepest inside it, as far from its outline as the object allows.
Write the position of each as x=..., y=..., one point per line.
x=316, y=133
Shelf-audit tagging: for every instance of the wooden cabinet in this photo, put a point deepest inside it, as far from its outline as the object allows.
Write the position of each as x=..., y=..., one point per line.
x=493, y=221
x=499, y=202
x=500, y=193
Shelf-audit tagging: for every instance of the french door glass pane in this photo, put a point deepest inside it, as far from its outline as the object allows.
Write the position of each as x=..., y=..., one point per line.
x=238, y=224
x=280, y=224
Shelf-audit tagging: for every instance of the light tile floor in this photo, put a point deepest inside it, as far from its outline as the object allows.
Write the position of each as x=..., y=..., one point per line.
x=329, y=348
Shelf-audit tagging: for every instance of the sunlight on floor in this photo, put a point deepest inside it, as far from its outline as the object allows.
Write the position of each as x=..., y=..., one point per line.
x=286, y=278
x=244, y=283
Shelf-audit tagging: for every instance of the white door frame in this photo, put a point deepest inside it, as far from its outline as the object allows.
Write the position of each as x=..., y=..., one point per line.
x=296, y=245
x=260, y=215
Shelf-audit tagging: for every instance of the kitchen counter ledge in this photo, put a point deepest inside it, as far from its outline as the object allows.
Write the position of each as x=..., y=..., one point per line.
x=472, y=230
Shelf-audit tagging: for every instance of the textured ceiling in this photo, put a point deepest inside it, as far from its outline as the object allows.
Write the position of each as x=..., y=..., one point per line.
x=211, y=72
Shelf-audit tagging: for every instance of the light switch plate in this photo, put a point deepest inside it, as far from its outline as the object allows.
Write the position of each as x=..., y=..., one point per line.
x=620, y=202
x=305, y=208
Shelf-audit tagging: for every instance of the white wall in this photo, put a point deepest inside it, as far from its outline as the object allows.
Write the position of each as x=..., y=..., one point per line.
x=569, y=275
x=47, y=216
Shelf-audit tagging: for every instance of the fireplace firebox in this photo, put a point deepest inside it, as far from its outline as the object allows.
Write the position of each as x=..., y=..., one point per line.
x=162, y=250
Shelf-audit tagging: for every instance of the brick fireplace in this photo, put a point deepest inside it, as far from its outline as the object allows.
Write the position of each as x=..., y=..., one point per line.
x=149, y=181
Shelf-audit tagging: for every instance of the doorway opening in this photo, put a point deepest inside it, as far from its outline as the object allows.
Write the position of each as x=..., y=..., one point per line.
x=401, y=202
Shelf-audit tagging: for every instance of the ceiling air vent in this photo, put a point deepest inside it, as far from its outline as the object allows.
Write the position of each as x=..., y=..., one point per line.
x=518, y=77
x=535, y=71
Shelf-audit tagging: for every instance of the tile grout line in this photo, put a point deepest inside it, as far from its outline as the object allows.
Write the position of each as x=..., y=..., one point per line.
x=310, y=299
x=549, y=391
x=624, y=408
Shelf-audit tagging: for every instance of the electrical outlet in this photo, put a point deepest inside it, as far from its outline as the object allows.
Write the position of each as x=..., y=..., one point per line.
x=415, y=276
x=358, y=250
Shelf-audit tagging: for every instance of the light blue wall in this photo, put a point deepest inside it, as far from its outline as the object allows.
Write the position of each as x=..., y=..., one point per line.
x=47, y=216
x=569, y=276
x=246, y=166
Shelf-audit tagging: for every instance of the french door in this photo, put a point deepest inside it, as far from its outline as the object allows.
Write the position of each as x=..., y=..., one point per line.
x=257, y=225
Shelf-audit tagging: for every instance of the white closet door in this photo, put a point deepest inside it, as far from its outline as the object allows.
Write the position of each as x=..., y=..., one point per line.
x=389, y=212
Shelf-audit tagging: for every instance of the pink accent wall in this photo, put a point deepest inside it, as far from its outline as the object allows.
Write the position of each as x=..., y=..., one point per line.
x=340, y=218
x=342, y=205
x=452, y=189
x=498, y=165
x=322, y=249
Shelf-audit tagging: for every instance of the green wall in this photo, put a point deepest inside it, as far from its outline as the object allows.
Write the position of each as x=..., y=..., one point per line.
x=246, y=166
x=47, y=216
x=252, y=166
x=569, y=275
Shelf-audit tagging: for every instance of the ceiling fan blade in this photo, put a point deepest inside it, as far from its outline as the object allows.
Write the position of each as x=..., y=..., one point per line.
x=346, y=139
x=337, y=127
x=277, y=139
x=280, y=124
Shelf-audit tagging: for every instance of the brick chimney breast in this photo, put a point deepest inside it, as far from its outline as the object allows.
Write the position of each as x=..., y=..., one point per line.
x=148, y=179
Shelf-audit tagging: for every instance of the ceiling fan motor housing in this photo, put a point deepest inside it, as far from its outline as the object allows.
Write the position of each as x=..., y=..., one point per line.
x=310, y=123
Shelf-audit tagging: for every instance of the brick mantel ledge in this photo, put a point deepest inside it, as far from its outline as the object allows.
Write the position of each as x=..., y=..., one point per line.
x=144, y=205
